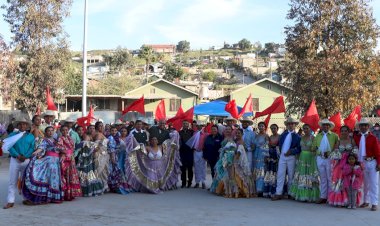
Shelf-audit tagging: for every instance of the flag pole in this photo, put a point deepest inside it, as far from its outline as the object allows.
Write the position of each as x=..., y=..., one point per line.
x=84, y=69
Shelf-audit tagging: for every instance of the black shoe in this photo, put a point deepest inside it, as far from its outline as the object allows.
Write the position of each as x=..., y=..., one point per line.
x=203, y=185
x=188, y=185
x=183, y=185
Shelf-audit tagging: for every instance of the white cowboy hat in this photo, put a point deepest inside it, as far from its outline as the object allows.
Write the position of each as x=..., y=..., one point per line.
x=363, y=121
x=229, y=118
x=326, y=121
x=246, y=119
x=69, y=120
x=291, y=120
x=22, y=120
x=48, y=113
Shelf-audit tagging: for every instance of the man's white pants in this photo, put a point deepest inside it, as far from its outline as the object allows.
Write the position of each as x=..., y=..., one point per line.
x=16, y=169
x=371, y=183
x=199, y=167
x=324, y=168
x=285, y=164
x=250, y=159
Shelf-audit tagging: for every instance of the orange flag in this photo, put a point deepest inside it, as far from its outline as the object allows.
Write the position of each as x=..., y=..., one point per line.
x=352, y=118
x=160, y=111
x=86, y=120
x=49, y=100
x=180, y=117
x=311, y=117
x=248, y=106
x=137, y=105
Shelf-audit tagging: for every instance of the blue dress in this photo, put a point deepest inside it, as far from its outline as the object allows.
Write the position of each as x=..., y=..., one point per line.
x=261, y=151
x=42, y=178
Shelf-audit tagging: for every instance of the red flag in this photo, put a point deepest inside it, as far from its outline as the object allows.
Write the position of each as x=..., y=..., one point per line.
x=49, y=100
x=180, y=117
x=278, y=106
x=378, y=112
x=86, y=120
x=231, y=108
x=266, y=121
x=137, y=105
x=38, y=112
x=160, y=111
x=352, y=118
x=248, y=106
x=337, y=120
x=311, y=117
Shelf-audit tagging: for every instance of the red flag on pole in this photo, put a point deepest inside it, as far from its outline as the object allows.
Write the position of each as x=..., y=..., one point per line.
x=352, y=118
x=160, y=111
x=337, y=120
x=231, y=108
x=248, y=106
x=49, y=100
x=137, y=105
x=311, y=117
x=278, y=106
x=86, y=121
x=266, y=121
x=180, y=117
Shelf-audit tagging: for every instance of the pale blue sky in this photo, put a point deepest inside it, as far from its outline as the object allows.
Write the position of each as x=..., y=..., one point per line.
x=205, y=23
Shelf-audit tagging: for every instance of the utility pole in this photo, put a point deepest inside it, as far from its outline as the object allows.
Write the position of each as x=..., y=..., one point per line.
x=84, y=69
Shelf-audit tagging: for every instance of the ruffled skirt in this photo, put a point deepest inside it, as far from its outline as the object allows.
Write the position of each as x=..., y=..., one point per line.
x=42, y=181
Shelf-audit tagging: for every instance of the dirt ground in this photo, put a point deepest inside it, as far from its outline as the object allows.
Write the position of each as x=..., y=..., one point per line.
x=179, y=207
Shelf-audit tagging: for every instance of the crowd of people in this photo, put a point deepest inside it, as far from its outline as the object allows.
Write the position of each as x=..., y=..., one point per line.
x=52, y=164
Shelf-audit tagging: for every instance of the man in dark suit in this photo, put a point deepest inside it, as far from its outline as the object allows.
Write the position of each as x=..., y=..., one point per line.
x=289, y=147
x=160, y=132
x=186, y=153
x=140, y=135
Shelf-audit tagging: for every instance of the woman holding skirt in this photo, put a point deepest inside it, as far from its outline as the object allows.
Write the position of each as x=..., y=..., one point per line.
x=42, y=179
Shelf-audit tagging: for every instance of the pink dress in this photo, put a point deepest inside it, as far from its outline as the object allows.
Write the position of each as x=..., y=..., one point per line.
x=338, y=195
x=353, y=178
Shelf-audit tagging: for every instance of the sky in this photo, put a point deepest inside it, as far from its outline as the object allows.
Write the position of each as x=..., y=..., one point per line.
x=204, y=23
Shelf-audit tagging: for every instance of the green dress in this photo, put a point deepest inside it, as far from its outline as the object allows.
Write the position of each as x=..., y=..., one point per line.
x=305, y=186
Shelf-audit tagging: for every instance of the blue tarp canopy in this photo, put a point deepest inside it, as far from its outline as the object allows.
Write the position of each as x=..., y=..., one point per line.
x=214, y=108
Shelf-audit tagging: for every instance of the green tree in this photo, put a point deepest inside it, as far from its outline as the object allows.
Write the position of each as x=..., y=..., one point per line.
x=183, y=46
x=38, y=34
x=209, y=76
x=244, y=44
x=172, y=71
x=147, y=53
x=113, y=85
x=330, y=56
x=73, y=79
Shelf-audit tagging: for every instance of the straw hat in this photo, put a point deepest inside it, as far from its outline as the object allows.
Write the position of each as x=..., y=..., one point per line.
x=229, y=118
x=363, y=121
x=291, y=120
x=69, y=120
x=22, y=120
x=48, y=113
x=246, y=119
x=326, y=121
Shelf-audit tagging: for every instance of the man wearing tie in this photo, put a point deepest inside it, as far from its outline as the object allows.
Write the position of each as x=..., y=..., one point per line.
x=369, y=155
x=20, y=153
x=323, y=144
x=289, y=147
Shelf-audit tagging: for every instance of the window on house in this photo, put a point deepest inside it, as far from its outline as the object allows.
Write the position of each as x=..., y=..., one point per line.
x=101, y=104
x=269, y=86
x=255, y=103
x=174, y=104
